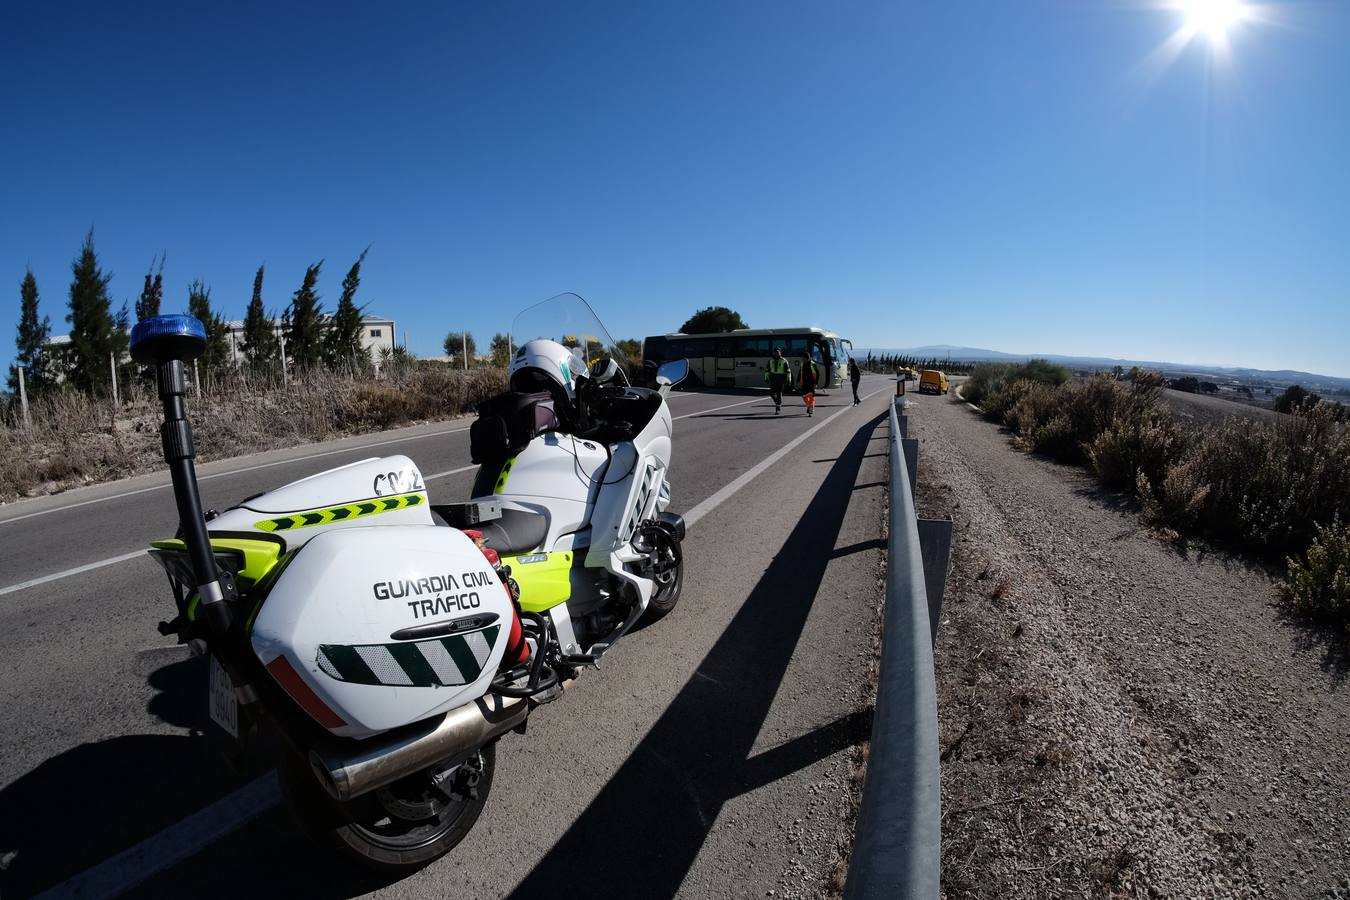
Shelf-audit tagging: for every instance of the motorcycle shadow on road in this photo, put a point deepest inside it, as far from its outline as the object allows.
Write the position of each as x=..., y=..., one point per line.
x=84, y=805
x=642, y=833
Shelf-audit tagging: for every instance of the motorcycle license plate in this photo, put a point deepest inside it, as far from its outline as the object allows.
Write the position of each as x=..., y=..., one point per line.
x=221, y=702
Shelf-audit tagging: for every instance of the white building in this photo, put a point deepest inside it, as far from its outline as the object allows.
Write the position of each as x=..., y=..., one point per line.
x=377, y=335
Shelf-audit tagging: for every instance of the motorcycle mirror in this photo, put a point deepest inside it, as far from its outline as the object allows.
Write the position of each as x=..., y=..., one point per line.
x=672, y=372
x=162, y=338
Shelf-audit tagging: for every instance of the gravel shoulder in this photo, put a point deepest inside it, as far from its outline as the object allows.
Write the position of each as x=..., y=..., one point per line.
x=1120, y=717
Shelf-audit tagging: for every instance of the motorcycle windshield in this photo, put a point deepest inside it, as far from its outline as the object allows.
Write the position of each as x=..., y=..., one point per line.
x=570, y=321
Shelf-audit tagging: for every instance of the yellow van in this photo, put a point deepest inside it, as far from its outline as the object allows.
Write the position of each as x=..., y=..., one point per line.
x=933, y=382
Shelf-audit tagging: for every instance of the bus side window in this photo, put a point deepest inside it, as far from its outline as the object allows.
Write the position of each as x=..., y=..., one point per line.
x=796, y=346
x=725, y=347
x=754, y=347
x=696, y=348
x=778, y=344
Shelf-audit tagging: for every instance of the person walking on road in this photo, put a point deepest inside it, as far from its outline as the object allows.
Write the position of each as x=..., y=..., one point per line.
x=777, y=374
x=854, y=376
x=809, y=377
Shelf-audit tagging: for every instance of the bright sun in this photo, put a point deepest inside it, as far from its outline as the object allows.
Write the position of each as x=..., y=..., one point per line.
x=1212, y=18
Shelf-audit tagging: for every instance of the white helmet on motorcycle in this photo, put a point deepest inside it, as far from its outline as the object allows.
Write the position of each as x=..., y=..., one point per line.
x=543, y=365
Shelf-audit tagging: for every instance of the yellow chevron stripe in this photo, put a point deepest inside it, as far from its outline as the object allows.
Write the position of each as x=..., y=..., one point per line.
x=344, y=513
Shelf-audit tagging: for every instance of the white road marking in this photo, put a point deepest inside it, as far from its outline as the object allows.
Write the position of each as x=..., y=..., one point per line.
x=56, y=576
x=704, y=412
x=118, y=874
x=448, y=472
x=185, y=839
x=717, y=499
x=280, y=462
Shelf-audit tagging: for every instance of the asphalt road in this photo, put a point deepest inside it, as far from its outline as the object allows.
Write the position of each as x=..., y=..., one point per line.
x=708, y=758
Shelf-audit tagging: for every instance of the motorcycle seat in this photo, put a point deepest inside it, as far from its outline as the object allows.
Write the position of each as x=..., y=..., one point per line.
x=517, y=531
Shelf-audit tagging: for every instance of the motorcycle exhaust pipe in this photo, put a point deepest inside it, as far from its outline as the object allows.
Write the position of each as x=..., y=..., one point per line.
x=348, y=769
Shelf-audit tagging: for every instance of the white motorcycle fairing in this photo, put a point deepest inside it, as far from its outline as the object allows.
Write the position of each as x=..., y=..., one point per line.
x=376, y=491
x=386, y=625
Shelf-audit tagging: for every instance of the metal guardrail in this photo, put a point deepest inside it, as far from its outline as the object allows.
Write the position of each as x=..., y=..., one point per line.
x=897, y=838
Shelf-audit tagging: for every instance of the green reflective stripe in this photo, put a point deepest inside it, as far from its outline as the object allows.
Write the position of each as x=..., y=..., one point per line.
x=422, y=662
x=463, y=656
x=192, y=607
x=414, y=663
x=501, y=477
x=348, y=663
x=343, y=513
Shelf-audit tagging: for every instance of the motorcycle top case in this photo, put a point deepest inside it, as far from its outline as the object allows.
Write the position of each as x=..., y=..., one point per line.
x=377, y=491
x=387, y=625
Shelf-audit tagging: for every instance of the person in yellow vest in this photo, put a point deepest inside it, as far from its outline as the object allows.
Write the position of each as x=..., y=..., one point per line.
x=777, y=374
x=809, y=377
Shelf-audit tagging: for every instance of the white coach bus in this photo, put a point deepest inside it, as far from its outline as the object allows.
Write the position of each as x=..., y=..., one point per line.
x=739, y=358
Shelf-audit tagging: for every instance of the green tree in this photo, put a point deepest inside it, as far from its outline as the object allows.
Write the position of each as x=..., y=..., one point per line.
x=342, y=340
x=152, y=295
x=216, y=357
x=631, y=348
x=458, y=343
x=93, y=333
x=32, y=335
x=500, y=350
x=262, y=350
x=1296, y=399
x=713, y=319
x=304, y=323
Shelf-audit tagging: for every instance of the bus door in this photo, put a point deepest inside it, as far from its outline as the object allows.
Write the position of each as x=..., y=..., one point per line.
x=726, y=362
x=820, y=352
x=752, y=354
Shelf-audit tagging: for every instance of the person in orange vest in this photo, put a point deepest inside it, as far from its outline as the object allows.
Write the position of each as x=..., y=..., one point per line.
x=808, y=378
x=778, y=374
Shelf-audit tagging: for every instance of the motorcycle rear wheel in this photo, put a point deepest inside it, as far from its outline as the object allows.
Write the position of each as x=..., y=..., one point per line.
x=399, y=828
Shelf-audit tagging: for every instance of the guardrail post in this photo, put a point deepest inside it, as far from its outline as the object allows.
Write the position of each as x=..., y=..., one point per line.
x=935, y=545
x=910, y=447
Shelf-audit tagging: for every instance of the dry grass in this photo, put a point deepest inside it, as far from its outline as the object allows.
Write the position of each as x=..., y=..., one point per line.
x=75, y=439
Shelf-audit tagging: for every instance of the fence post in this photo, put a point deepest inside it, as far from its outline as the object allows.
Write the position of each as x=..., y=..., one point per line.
x=285, y=380
x=23, y=398
x=196, y=379
x=112, y=367
x=466, y=351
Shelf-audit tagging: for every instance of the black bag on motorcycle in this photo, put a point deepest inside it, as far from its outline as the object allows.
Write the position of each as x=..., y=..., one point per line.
x=507, y=423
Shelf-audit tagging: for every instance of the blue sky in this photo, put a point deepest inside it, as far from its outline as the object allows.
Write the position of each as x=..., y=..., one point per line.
x=1011, y=175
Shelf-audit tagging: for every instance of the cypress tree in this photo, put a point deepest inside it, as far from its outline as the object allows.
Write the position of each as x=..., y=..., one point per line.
x=216, y=357
x=152, y=295
x=342, y=342
x=304, y=323
x=93, y=335
x=32, y=334
x=262, y=351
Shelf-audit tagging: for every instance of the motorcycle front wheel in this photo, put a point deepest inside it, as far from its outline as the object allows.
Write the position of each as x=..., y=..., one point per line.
x=667, y=572
x=401, y=827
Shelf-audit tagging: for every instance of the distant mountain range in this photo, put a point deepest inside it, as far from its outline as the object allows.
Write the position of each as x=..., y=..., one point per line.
x=975, y=354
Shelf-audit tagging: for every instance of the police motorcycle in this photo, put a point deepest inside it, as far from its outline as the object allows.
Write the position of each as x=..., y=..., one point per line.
x=389, y=642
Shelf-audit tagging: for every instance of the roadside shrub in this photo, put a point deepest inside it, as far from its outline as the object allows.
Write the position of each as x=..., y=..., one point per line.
x=1178, y=500
x=1318, y=584
x=987, y=379
x=1133, y=445
x=1272, y=481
